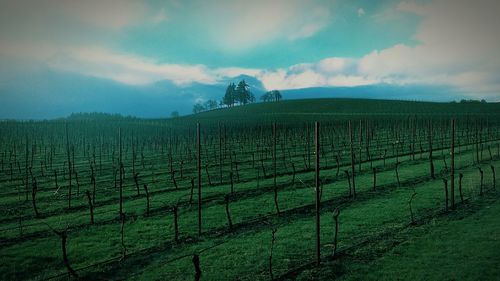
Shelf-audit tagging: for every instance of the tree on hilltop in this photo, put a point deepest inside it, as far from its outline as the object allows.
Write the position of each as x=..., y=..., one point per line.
x=273, y=95
x=243, y=95
x=230, y=97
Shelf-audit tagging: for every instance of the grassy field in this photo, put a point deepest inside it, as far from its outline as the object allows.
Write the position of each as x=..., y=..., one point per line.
x=378, y=238
x=344, y=109
x=461, y=246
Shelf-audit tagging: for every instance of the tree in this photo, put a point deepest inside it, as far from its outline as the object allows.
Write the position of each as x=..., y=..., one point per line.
x=230, y=96
x=237, y=94
x=277, y=95
x=243, y=95
x=174, y=114
x=198, y=107
x=273, y=95
x=266, y=97
x=210, y=104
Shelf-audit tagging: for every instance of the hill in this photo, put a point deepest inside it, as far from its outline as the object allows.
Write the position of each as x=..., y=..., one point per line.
x=378, y=91
x=321, y=109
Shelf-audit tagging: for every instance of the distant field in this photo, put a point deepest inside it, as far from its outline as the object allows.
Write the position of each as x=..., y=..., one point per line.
x=382, y=165
x=324, y=109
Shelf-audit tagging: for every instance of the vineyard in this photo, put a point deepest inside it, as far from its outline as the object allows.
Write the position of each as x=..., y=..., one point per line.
x=290, y=190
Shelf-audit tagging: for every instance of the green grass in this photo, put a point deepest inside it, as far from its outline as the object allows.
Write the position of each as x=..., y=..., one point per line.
x=341, y=108
x=461, y=245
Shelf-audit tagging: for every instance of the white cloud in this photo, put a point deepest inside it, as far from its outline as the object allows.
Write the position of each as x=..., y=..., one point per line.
x=304, y=79
x=235, y=71
x=274, y=79
x=122, y=67
x=136, y=70
x=458, y=46
x=329, y=72
x=243, y=25
x=126, y=68
x=335, y=64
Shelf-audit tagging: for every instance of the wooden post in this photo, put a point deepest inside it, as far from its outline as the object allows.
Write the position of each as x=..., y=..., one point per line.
x=397, y=174
x=374, y=178
x=318, y=203
x=411, y=209
x=147, y=199
x=91, y=207
x=121, y=171
x=413, y=127
x=230, y=222
x=352, y=160
x=232, y=183
x=360, y=137
x=173, y=180
x=349, y=182
x=77, y=184
x=198, y=144
x=136, y=180
x=25, y=171
x=175, y=210
x=452, y=183
x=33, y=197
x=430, y=150
x=481, y=183
x=494, y=177
x=338, y=166
x=122, y=236
x=69, y=167
x=273, y=240
x=220, y=154
x=196, y=263
x=460, y=176
x=93, y=181
x=336, y=214
x=55, y=179
x=445, y=181
x=274, y=171
x=64, y=236
x=476, y=140
x=208, y=176
x=308, y=150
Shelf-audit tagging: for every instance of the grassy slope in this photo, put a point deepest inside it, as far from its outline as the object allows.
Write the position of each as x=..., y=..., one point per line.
x=458, y=245
x=326, y=108
x=455, y=247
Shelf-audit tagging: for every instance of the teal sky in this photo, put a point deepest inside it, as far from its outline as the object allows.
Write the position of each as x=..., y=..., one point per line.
x=187, y=37
x=285, y=44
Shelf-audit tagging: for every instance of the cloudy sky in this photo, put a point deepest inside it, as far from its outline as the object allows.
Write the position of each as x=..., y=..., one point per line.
x=286, y=44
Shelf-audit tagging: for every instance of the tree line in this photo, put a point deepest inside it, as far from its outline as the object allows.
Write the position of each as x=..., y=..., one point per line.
x=236, y=95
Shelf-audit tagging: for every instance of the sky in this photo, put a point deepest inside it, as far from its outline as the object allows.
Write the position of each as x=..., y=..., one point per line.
x=286, y=44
